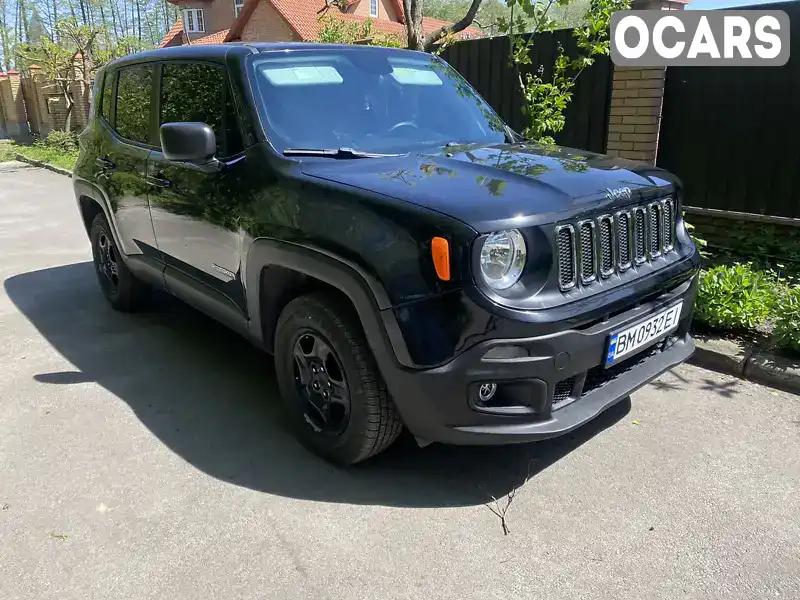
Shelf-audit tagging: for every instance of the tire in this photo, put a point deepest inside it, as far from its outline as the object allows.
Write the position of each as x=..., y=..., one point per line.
x=123, y=291
x=373, y=423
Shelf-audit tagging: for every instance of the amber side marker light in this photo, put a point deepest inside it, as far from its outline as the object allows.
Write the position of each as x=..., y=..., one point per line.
x=440, y=251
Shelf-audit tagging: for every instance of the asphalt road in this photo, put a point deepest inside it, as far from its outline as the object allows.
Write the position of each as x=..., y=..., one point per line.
x=145, y=457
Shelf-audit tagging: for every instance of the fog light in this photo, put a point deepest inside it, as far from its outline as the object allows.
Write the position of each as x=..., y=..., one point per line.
x=487, y=391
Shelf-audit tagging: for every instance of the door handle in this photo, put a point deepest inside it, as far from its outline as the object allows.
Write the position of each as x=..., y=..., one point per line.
x=158, y=181
x=104, y=163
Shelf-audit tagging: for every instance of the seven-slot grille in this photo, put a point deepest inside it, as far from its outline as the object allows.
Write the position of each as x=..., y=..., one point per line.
x=609, y=244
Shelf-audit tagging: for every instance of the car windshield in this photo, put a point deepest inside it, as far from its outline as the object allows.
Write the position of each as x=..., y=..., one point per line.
x=369, y=100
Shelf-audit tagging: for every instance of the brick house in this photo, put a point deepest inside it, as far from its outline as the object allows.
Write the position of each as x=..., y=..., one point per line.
x=219, y=21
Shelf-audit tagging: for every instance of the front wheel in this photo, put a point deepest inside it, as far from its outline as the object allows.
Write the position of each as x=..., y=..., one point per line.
x=331, y=387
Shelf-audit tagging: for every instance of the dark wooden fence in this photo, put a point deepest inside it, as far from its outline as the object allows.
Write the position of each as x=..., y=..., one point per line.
x=732, y=134
x=484, y=63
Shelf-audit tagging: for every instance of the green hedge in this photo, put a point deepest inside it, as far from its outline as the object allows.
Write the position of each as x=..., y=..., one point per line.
x=786, y=324
x=736, y=297
x=742, y=298
x=748, y=297
x=59, y=148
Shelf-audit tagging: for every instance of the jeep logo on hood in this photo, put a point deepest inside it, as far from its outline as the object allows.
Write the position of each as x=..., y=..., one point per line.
x=623, y=193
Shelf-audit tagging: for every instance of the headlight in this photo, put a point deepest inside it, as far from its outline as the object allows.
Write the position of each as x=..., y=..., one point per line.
x=503, y=259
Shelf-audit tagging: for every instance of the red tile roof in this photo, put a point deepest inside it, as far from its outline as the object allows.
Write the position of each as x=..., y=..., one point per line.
x=303, y=18
x=174, y=36
x=214, y=38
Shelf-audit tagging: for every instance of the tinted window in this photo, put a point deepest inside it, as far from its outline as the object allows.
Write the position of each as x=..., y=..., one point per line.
x=370, y=100
x=198, y=92
x=105, y=98
x=133, y=103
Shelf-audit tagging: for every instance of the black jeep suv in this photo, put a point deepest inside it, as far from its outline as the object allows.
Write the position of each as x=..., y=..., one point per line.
x=363, y=214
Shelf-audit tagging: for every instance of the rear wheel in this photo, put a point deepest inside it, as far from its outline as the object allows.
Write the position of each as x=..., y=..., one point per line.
x=122, y=290
x=331, y=387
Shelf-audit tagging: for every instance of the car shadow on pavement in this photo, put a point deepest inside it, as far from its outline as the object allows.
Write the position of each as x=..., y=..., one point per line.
x=211, y=397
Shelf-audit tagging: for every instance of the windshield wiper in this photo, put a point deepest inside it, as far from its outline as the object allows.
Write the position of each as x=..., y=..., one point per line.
x=341, y=153
x=511, y=136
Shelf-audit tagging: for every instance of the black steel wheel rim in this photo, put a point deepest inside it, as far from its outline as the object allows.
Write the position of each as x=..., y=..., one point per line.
x=321, y=384
x=105, y=261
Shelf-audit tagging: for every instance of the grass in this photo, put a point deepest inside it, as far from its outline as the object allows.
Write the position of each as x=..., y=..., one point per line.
x=38, y=151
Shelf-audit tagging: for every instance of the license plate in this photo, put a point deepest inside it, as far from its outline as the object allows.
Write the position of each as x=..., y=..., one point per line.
x=642, y=334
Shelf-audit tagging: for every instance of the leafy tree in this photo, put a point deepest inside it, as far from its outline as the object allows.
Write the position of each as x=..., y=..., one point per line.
x=546, y=100
x=71, y=60
x=57, y=63
x=83, y=41
x=570, y=15
x=4, y=36
x=521, y=20
x=24, y=21
x=489, y=13
x=417, y=40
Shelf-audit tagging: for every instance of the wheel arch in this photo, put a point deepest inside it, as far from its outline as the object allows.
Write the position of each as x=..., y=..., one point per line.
x=89, y=208
x=278, y=272
x=91, y=202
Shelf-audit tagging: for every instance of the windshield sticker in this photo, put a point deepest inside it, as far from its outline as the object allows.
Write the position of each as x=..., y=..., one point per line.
x=310, y=75
x=409, y=76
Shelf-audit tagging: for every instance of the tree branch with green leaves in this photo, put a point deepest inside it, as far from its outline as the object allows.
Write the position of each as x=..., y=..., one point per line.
x=546, y=99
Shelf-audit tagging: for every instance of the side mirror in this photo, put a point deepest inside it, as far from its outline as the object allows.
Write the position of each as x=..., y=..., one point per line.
x=188, y=142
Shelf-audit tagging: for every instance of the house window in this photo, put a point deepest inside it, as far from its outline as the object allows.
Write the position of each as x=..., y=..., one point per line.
x=373, y=8
x=193, y=21
x=237, y=7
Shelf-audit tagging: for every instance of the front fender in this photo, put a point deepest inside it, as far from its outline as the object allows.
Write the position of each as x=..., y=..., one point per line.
x=367, y=294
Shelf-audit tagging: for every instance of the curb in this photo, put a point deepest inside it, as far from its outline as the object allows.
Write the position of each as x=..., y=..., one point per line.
x=44, y=165
x=732, y=358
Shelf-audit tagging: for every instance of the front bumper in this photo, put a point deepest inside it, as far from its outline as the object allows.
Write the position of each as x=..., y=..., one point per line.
x=548, y=385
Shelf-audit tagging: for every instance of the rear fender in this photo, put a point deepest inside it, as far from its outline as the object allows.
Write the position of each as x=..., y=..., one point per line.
x=85, y=188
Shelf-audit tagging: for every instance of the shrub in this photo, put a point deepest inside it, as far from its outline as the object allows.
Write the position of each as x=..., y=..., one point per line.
x=735, y=297
x=64, y=141
x=336, y=31
x=786, y=321
x=699, y=242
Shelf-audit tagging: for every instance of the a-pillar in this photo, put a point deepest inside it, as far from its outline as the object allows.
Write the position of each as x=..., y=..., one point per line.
x=636, y=100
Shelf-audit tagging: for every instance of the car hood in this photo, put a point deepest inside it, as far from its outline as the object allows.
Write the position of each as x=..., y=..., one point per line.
x=494, y=186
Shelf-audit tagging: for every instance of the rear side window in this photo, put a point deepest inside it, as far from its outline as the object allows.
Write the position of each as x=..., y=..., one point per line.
x=105, y=96
x=133, y=103
x=197, y=92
